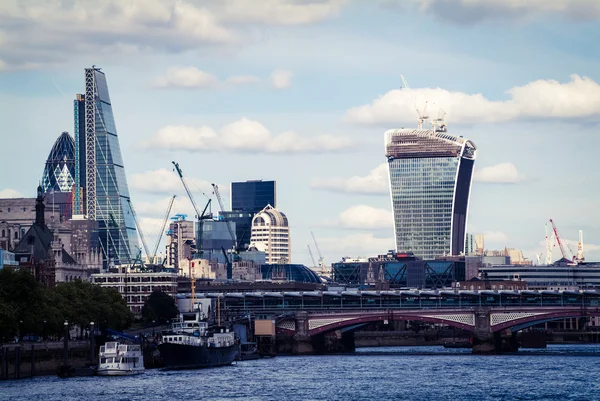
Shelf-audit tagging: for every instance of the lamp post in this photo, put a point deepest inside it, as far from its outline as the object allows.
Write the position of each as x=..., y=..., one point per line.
x=153, y=324
x=20, y=334
x=92, y=345
x=66, y=342
x=44, y=330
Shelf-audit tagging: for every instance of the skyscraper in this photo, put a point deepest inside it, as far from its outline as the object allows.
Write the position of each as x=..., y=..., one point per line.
x=271, y=234
x=101, y=190
x=247, y=199
x=59, y=172
x=430, y=182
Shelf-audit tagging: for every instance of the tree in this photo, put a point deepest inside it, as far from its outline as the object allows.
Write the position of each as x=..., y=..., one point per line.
x=160, y=307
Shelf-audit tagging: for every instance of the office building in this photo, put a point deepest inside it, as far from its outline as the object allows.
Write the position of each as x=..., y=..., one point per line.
x=181, y=241
x=59, y=172
x=271, y=234
x=247, y=199
x=430, y=175
x=101, y=191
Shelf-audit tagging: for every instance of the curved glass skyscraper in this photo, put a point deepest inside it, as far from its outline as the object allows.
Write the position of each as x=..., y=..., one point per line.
x=59, y=172
x=101, y=187
x=430, y=182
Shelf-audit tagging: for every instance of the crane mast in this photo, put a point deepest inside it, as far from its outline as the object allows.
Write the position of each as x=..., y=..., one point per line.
x=561, y=244
x=549, y=246
x=160, y=233
x=139, y=228
x=199, y=216
x=231, y=233
x=321, y=260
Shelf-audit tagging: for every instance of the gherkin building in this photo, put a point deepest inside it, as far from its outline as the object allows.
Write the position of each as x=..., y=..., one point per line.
x=59, y=173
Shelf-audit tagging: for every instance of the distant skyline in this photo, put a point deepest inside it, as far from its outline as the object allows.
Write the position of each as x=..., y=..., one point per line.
x=301, y=92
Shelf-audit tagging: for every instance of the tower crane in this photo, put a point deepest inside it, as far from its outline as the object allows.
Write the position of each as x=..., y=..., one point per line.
x=561, y=244
x=162, y=229
x=231, y=233
x=422, y=116
x=199, y=216
x=549, y=246
x=311, y=256
x=139, y=228
x=321, y=260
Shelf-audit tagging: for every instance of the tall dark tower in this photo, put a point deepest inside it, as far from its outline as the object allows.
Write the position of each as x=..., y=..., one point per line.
x=101, y=190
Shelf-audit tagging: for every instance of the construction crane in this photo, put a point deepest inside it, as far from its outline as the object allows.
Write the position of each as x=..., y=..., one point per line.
x=561, y=244
x=321, y=260
x=199, y=216
x=162, y=229
x=231, y=233
x=549, y=245
x=311, y=256
x=580, y=257
x=139, y=228
x=422, y=116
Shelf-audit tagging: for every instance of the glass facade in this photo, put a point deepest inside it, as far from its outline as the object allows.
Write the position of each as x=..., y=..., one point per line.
x=59, y=172
x=117, y=230
x=430, y=178
x=253, y=196
x=289, y=272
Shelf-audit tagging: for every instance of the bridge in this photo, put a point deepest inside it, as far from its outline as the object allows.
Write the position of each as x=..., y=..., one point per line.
x=311, y=319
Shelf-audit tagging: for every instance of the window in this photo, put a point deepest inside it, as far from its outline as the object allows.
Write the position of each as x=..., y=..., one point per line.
x=16, y=235
x=3, y=233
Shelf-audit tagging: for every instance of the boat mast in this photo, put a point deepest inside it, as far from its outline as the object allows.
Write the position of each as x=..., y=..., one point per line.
x=192, y=284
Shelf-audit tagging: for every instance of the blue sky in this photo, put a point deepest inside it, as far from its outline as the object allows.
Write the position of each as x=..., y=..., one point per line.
x=219, y=86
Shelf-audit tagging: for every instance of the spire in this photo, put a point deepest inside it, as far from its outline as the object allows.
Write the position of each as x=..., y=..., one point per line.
x=39, y=208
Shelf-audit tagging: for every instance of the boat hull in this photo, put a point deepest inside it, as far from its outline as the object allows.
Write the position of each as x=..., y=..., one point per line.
x=119, y=372
x=183, y=356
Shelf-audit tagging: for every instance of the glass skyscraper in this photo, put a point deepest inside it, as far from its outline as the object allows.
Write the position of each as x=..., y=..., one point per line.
x=101, y=190
x=430, y=182
x=59, y=172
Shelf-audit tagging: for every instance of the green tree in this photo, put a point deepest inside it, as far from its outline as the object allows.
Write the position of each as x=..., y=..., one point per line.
x=160, y=307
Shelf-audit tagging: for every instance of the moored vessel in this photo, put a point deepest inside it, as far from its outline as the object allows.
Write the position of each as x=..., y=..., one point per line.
x=116, y=359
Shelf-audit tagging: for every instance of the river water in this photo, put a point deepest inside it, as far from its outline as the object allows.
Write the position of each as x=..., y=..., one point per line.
x=559, y=372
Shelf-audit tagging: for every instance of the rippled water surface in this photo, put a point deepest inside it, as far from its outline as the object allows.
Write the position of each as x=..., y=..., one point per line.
x=431, y=373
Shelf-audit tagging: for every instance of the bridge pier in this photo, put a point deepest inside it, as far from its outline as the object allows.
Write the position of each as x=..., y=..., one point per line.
x=302, y=342
x=485, y=341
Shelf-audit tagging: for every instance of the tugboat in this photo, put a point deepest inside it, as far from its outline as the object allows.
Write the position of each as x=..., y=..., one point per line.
x=118, y=359
x=191, y=344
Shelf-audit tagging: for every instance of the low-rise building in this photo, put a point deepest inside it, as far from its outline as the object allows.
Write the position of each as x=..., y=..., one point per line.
x=135, y=286
x=477, y=284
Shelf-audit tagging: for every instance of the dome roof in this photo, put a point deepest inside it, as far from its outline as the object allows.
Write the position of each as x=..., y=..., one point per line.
x=298, y=273
x=59, y=173
x=271, y=217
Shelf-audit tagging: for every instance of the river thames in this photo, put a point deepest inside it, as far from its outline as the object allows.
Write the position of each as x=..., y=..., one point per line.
x=559, y=372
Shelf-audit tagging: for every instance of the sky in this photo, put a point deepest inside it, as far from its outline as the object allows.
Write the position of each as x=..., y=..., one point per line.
x=302, y=91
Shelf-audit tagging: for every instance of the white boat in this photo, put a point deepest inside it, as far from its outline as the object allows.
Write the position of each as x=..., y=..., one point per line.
x=116, y=359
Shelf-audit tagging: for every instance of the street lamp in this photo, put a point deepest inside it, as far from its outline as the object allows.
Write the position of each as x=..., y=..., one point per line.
x=44, y=330
x=20, y=336
x=153, y=324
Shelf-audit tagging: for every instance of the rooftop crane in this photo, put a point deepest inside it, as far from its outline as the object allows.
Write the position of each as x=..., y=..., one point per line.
x=199, y=216
x=162, y=229
x=139, y=228
x=311, y=256
x=422, y=116
x=231, y=233
x=561, y=244
x=321, y=260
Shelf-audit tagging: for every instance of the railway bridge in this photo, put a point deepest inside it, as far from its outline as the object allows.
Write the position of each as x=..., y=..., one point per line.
x=310, y=320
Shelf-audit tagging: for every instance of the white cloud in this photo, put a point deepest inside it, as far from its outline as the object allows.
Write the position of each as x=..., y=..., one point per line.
x=281, y=79
x=503, y=173
x=375, y=183
x=284, y=12
x=36, y=33
x=10, y=193
x=194, y=78
x=472, y=11
x=355, y=245
x=578, y=98
x=365, y=217
x=187, y=78
x=494, y=239
x=243, y=135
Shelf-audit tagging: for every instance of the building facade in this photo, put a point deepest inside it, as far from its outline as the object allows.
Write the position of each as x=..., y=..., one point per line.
x=430, y=174
x=271, y=234
x=101, y=191
x=59, y=172
x=247, y=199
x=136, y=286
x=181, y=241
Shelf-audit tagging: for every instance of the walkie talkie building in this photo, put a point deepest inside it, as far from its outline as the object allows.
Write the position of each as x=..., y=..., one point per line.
x=101, y=190
x=430, y=182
